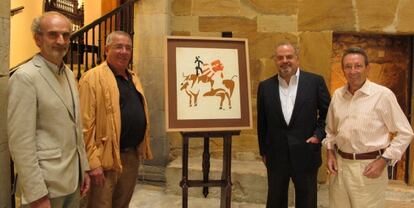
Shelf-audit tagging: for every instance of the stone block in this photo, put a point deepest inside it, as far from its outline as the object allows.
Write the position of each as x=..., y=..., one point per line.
x=181, y=7
x=405, y=16
x=3, y=109
x=180, y=33
x=245, y=146
x=4, y=147
x=206, y=34
x=319, y=15
x=369, y=10
x=5, y=9
x=267, y=68
x=4, y=46
x=151, y=73
x=262, y=45
x=278, y=7
x=5, y=182
x=249, y=180
x=150, y=25
x=160, y=150
x=149, y=46
x=232, y=24
x=248, y=10
x=248, y=177
x=316, y=53
x=152, y=7
x=184, y=23
x=399, y=191
x=277, y=23
x=216, y=8
x=150, y=173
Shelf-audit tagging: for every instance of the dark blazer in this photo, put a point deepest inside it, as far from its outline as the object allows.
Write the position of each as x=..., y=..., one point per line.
x=281, y=142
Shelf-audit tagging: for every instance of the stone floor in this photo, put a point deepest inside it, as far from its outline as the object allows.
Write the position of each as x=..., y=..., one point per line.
x=154, y=196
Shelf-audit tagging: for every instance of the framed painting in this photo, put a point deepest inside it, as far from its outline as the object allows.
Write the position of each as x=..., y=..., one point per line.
x=207, y=84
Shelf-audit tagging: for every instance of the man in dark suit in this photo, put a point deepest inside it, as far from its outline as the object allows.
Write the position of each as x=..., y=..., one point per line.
x=291, y=112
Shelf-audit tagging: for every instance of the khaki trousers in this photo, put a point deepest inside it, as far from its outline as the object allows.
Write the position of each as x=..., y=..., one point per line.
x=68, y=201
x=351, y=189
x=119, y=187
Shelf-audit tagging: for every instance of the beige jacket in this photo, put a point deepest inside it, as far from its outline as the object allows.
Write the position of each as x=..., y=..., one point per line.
x=45, y=132
x=101, y=116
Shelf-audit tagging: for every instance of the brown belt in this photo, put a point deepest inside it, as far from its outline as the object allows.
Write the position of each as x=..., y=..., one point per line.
x=361, y=156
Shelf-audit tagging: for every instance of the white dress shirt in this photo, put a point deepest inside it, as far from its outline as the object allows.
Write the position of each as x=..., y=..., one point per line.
x=287, y=94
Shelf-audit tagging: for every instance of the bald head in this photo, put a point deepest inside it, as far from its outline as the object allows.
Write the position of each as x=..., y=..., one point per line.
x=38, y=22
x=51, y=32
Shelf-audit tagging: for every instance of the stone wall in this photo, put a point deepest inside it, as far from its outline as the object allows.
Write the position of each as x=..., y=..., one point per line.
x=309, y=23
x=151, y=27
x=5, y=200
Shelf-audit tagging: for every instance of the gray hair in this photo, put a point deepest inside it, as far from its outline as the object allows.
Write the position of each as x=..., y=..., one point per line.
x=355, y=50
x=115, y=33
x=36, y=24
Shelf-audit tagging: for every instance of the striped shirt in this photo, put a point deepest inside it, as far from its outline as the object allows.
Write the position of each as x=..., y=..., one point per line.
x=367, y=121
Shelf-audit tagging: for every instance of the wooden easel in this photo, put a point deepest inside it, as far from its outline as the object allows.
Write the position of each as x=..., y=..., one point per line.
x=225, y=182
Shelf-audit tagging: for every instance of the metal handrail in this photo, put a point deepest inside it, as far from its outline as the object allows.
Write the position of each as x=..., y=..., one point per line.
x=16, y=10
x=87, y=44
x=103, y=18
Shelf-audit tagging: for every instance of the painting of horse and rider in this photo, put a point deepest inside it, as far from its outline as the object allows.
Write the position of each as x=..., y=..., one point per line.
x=209, y=81
x=207, y=84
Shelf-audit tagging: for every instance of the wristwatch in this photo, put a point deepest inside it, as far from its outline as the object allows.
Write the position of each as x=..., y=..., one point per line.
x=387, y=160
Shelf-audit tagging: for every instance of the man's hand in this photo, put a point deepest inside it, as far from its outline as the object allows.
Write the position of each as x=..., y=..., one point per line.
x=375, y=168
x=85, y=185
x=97, y=175
x=331, y=162
x=43, y=202
x=313, y=140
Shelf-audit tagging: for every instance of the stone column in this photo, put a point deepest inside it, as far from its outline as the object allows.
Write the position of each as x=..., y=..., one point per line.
x=5, y=200
x=151, y=27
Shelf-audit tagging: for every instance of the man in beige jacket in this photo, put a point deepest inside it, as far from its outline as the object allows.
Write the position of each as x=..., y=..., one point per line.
x=116, y=124
x=44, y=124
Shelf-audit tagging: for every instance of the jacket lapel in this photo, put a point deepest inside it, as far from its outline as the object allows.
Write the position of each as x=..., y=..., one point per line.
x=51, y=80
x=73, y=88
x=300, y=94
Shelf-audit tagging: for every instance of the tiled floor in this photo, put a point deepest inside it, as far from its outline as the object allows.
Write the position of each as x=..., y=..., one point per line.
x=154, y=196
x=150, y=196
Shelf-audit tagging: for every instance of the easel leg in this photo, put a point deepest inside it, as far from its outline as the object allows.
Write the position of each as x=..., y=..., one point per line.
x=184, y=181
x=206, y=164
x=225, y=201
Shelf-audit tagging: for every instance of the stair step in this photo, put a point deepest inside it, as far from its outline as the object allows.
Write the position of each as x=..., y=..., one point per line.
x=249, y=180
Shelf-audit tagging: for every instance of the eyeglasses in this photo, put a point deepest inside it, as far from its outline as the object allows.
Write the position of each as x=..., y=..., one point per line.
x=349, y=67
x=121, y=46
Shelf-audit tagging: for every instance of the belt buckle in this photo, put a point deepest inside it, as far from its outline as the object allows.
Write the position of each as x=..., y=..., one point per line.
x=354, y=156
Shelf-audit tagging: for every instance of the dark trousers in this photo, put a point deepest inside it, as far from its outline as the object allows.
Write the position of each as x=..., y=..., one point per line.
x=305, y=183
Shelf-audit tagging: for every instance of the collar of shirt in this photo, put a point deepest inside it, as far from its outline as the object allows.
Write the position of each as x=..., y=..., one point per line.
x=129, y=73
x=55, y=68
x=365, y=89
x=293, y=80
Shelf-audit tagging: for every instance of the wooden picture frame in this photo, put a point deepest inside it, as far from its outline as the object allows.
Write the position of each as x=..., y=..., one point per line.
x=207, y=84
